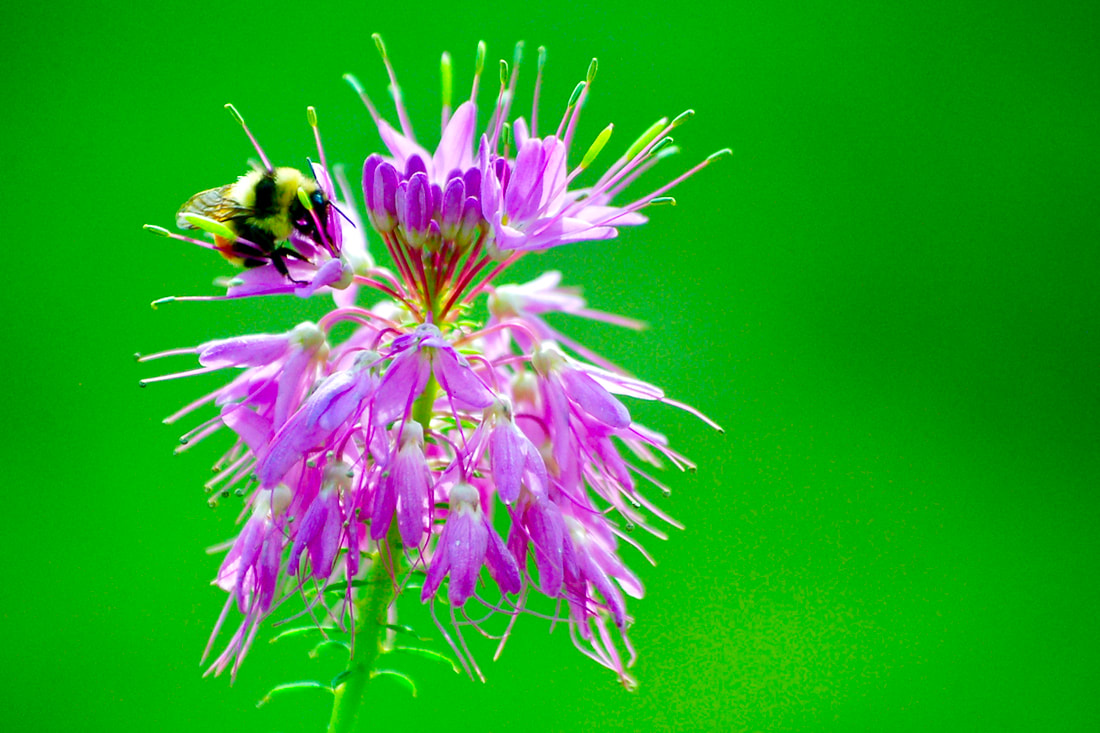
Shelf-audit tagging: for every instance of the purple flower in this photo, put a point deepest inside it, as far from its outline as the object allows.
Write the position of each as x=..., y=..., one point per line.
x=250, y=571
x=588, y=567
x=416, y=356
x=416, y=407
x=513, y=458
x=539, y=521
x=338, y=398
x=407, y=487
x=525, y=200
x=576, y=406
x=321, y=528
x=468, y=542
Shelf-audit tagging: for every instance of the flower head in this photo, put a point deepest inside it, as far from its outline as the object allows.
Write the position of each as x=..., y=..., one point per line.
x=408, y=442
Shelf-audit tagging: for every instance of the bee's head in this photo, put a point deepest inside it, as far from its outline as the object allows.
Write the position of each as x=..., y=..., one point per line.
x=310, y=206
x=308, y=196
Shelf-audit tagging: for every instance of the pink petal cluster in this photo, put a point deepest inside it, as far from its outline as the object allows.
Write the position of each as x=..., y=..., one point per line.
x=502, y=447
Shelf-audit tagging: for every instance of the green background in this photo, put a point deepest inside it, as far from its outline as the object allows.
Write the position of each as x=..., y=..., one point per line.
x=888, y=297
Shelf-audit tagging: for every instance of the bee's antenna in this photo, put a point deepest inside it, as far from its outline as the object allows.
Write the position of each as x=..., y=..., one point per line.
x=346, y=217
x=330, y=203
x=237, y=116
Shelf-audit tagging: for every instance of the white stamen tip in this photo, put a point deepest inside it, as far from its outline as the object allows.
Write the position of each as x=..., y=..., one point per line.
x=236, y=115
x=379, y=44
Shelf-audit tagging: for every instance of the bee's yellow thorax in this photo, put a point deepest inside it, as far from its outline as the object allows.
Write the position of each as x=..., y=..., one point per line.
x=276, y=218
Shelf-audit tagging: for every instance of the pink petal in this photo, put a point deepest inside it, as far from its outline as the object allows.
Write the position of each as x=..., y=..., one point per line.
x=309, y=526
x=553, y=191
x=251, y=541
x=517, y=542
x=598, y=214
x=268, y=569
x=502, y=566
x=400, y=147
x=522, y=197
x=253, y=350
x=288, y=447
x=459, y=380
x=557, y=406
x=594, y=399
x=253, y=429
x=467, y=554
x=404, y=380
x=544, y=524
x=535, y=466
x=520, y=132
x=509, y=238
x=610, y=592
x=265, y=280
x=506, y=459
x=327, y=274
x=566, y=230
x=381, y=514
x=326, y=543
x=456, y=144
x=290, y=384
x=412, y=481
x=345, y=399
x=611, y=563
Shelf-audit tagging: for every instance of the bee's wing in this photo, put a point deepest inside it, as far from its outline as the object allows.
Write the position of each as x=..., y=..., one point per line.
x=214, y=203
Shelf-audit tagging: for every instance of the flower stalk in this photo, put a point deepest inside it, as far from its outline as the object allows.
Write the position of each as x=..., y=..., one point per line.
x=371, y=628
x=373, y=607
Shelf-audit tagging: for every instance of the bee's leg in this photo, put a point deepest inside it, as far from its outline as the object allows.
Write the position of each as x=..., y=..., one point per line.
x=291, y=252
x=280, y=266
x=248, y=253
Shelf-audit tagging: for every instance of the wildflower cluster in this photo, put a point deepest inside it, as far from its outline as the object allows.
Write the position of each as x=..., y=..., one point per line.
x=428, y=443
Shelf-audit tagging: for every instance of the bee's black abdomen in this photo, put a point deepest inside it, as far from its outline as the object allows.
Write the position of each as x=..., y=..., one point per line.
x=265, y=197
x=257, y=236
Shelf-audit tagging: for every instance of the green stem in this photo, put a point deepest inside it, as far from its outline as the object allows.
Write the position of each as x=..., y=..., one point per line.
x=372, y=606
x=422, y=408
x=370, y=634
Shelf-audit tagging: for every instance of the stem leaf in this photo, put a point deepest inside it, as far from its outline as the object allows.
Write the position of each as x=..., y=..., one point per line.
x=429, y=654
x=403, y=678
x=300, y=631
x=290, y=686
x=403, y=629
x=315, y=651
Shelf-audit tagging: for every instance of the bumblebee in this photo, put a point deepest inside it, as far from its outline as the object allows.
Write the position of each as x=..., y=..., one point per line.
x=262, y=209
